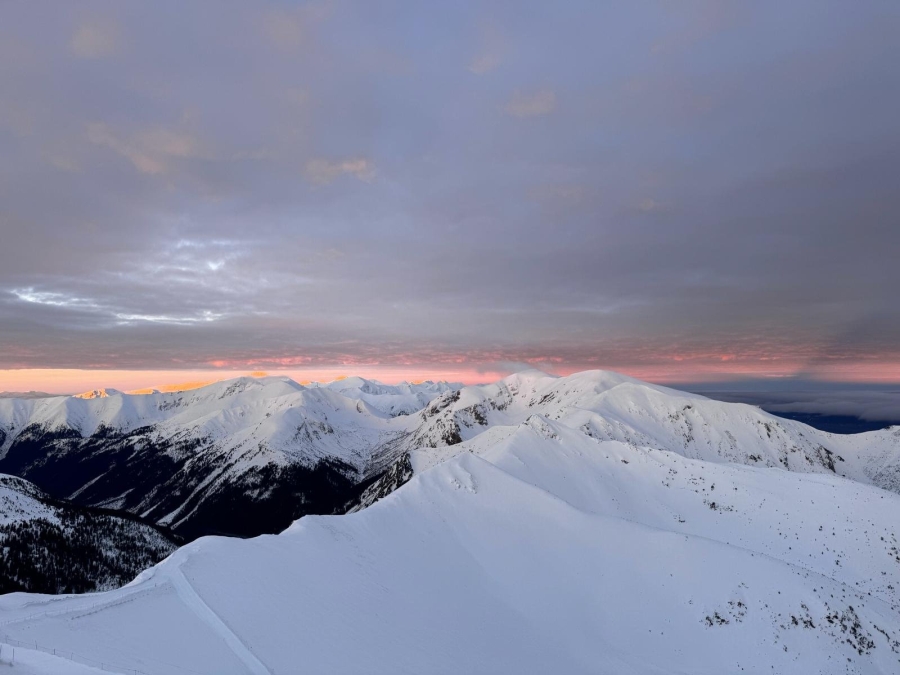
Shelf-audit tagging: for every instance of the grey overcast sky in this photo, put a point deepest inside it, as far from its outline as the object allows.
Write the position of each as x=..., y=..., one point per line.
x=678, y=190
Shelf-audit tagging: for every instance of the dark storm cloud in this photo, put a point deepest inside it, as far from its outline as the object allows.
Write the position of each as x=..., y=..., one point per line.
x=573, y=183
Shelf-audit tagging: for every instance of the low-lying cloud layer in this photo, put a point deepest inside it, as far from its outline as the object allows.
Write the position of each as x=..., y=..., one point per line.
x=711, y=187
x=871, y=403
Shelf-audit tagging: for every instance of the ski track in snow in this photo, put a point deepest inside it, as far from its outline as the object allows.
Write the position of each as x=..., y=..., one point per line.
x=192, y=599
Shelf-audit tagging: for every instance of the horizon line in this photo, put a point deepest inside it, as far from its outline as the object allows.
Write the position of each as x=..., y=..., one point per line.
x=74, y=381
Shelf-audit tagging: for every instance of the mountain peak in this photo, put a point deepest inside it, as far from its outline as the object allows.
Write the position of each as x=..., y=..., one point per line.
x=98, y=393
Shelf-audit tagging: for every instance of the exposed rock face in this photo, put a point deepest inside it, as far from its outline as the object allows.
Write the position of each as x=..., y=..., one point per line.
x=398, y=474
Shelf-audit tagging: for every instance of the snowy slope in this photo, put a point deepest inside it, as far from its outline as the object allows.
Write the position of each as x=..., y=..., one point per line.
x=394, y=400
x=20, y=501
x=609, y=406
x=548, y=551
x=54, y=547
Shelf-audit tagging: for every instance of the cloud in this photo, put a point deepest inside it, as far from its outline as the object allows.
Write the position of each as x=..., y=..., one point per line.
x=204, y=317
x=569, y=193
x=494, y=46
x=297, y=97
x=496, y=233
x=876, y=404
x=536, y=104
x=484, y=63
x=169, y=143
x=142, y=161
x=148, y=151
x=290, y=29
x=324, y=171
x=53, y=299
x=505, y=367
x=96, y=38
x=65, y=301
x=284, y=29
x=64, y=163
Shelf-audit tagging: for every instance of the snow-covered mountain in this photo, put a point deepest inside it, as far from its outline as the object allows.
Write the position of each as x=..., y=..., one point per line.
x=243, y=456
x=401, y=399
x=610, y=406
x=53, y=547
x=532, y=547
x=20, y=502
x=249, y=456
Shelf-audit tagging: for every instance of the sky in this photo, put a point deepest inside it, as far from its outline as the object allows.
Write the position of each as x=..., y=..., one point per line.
x=682, y=191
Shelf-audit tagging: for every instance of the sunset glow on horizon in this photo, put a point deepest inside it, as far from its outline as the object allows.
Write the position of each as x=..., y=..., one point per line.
x=74, y=381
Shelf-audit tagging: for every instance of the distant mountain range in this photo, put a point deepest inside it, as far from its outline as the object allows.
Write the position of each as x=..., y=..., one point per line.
x=583, y=524
x=240, y=457
x=250, y=456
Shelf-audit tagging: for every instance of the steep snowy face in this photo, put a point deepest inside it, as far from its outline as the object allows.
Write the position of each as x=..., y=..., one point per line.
x=48, y=546
x=21, y=501
x=549, y=551
x=608, y=406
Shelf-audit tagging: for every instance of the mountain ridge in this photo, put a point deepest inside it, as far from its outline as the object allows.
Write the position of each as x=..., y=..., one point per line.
x=195, y=460
x=548, y=550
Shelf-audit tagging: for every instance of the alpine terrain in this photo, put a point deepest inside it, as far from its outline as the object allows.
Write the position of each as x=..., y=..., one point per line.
x=583, y=524
x=47, y=546
x=241, y=457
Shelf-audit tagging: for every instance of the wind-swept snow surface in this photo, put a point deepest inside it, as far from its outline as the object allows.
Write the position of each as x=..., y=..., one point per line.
x=549, y=551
